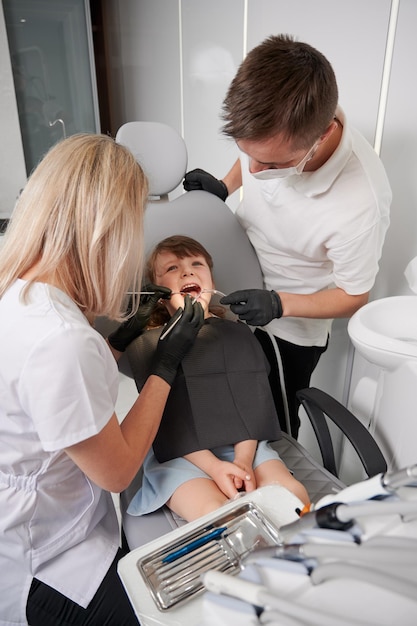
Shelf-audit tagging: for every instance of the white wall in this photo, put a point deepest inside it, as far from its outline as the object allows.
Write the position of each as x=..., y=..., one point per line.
x=399, y=154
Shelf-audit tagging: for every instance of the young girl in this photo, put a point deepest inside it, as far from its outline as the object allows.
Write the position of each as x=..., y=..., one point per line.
x=213, y=437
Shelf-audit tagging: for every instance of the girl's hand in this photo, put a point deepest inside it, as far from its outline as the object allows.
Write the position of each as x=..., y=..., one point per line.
x=249, y=483
x=226, y=475
x=244, y=455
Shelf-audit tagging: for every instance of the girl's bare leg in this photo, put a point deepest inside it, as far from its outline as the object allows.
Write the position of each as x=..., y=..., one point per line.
x=273, y=471
x=195, y=498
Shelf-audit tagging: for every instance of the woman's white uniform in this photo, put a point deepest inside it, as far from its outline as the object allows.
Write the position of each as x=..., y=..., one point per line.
x=55, y=524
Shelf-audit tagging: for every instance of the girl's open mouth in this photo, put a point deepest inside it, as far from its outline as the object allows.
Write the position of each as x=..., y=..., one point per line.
x=192, y=289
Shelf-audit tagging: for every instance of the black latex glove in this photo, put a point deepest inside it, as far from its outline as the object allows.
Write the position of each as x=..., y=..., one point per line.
x=176, y=339
x=133, y=327
x=199, y=179
x=256, y=306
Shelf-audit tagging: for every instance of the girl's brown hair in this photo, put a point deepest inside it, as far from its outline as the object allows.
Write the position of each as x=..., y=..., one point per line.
x=181, y=246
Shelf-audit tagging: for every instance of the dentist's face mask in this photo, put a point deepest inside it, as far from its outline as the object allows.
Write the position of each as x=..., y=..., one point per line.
x=285, y=172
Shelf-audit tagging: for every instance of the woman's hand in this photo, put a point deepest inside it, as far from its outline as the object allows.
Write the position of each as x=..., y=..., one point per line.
x=127, y=332
x=176, y=339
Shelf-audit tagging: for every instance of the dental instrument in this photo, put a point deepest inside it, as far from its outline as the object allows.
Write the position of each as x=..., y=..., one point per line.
x=174, y=293
x=344, y=552
x=330, y=571
x=216, y=291
x=149, y=293
x=383, y=484
x=340, y=516
x=261, y=596
x=171, y=325
x=193, y=545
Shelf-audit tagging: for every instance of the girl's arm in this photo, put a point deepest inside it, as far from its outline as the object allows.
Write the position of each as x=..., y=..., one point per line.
x=244, y=455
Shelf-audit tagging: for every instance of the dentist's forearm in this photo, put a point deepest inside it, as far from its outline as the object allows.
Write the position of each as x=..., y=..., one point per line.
x=326, y=304
x=233, y=179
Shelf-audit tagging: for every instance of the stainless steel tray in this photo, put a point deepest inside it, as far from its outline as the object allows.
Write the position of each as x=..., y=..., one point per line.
x=173, y=573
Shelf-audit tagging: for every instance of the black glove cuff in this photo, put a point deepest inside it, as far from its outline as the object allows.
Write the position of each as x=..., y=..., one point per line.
x=166, y=371
x=122, y=337
x=276, y=304
x=223, y=195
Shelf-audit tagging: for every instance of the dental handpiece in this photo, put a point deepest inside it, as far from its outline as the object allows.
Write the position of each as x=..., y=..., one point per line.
x=400, y=478
x=341, y=516
x=261, y=596
x=383, y=484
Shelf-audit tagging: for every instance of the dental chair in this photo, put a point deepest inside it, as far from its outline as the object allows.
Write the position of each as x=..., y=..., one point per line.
x=162, y=153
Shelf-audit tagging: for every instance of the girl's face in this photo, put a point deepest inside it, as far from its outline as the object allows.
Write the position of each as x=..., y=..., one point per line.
x=190, y=274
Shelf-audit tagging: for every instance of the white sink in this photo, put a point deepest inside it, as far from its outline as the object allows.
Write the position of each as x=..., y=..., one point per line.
x=385, y=331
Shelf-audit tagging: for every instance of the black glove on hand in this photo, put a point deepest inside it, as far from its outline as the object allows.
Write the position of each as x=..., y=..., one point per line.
x=133, y=327
x=199, y=179
x=176, y=339
x=256, y=306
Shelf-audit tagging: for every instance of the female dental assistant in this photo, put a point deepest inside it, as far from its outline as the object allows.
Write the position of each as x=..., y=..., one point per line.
x=70, y=254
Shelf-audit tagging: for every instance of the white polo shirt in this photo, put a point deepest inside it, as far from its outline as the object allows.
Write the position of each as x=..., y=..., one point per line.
x=58, y=386
x=320, y=229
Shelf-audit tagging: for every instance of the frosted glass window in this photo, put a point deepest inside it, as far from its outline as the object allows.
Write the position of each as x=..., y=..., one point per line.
x=53, y=70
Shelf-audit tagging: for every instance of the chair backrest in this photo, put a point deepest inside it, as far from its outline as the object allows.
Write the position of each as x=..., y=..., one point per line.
x=198, y=214
x=162, y=153
x=208, y=219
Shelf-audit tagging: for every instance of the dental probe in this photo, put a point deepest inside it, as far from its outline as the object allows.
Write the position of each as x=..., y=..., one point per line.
x=150, y=293
x=171, y=326
x=383, y=484
x=173, y=293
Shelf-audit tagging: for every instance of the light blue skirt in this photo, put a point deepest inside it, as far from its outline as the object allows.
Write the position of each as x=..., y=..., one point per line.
x=160, y=480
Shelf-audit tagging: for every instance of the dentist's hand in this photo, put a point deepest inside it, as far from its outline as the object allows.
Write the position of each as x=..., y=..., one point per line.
x=200, y=179
x=176, y=339
x=133, y=327
x=257, y=307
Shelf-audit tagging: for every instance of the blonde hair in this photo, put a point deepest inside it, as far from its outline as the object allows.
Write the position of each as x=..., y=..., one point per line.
x=80, y=217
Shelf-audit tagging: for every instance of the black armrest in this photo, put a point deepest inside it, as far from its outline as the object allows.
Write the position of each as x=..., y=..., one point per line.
x=317, y=404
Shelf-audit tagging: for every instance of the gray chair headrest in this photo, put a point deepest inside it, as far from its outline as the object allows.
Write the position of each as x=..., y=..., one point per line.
x=161, y=152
